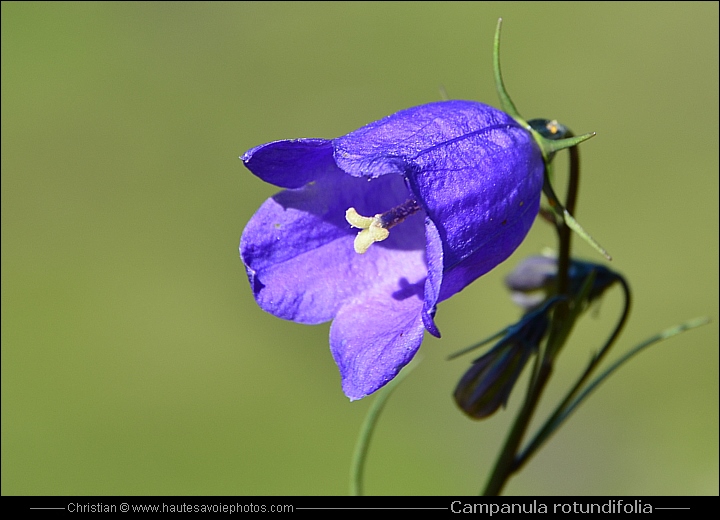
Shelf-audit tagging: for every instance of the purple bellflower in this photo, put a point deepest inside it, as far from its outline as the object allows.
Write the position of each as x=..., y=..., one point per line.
x=441, y=193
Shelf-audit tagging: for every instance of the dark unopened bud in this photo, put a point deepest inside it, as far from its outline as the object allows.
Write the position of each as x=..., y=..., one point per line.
x=487, y=384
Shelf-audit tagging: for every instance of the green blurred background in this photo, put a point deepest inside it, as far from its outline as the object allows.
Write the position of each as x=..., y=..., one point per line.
x=134, y=358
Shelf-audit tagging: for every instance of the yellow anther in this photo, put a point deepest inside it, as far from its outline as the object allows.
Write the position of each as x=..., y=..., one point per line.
x=372, y=230
x=355, y=219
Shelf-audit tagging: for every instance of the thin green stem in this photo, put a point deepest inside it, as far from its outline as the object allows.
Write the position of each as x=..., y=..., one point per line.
x=666, y=334
x=506, y=461
x=505, y=102
x=571, y=404
x=564, y=232
x=362, y=445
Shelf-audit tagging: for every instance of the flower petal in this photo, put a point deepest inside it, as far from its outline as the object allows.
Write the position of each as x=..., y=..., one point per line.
x=298, y=248
x=483, y=193
x=291, y=163
x=434, y=255
x=390, y=144
x=376, y=334
x=488, y=255
x=477, y=173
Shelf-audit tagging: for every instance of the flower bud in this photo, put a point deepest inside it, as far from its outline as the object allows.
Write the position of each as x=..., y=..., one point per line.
x=488, y=383
x=533, y=280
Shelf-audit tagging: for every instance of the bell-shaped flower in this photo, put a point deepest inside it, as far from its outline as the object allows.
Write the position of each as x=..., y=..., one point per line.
x=377, y=227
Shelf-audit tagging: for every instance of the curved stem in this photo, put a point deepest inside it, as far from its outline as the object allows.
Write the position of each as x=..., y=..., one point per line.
x=561, y=411
x=592, y=385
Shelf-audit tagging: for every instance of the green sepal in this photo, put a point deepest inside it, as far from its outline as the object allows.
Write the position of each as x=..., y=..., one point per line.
x=478, y=344
x=505, y=102
x=550, y=137
x=553, y=146
x=569, y=220
x=548, y=147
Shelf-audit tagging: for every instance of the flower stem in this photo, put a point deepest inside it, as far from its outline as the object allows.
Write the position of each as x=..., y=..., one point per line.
x=564, y=232
x=561, y=411
x=357, y=468
x=506, y=465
